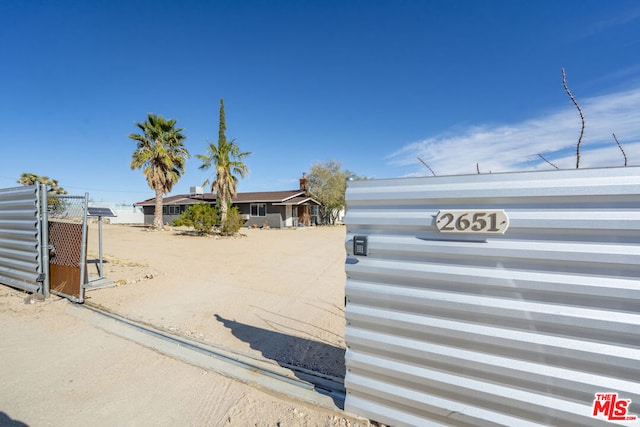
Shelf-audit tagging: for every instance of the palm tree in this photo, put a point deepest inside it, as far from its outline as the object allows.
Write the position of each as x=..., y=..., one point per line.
x=162, y=156
x=227, y=158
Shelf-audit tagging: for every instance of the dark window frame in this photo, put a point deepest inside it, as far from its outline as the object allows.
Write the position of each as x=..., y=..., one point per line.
x=256, y=208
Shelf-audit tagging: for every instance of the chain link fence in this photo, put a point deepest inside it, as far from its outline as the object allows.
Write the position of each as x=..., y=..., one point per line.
x=67, y=231
x=65, y=208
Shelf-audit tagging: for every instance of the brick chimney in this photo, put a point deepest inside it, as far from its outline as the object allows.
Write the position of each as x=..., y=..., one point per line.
x=304, y=183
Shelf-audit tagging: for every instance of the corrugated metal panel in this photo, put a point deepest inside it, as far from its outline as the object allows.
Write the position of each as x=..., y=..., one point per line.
x=516, y=329
x=19, y=238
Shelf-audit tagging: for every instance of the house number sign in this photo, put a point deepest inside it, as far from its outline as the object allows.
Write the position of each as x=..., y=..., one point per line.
x=472, y=221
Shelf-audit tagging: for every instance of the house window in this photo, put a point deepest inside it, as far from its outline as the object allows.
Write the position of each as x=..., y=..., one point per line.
x=258, y=209
x=172, y=210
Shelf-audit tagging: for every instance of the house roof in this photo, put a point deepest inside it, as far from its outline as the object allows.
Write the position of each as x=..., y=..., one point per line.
x=287, y=197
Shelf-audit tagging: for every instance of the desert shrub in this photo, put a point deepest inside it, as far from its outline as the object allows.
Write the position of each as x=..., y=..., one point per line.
x=233, y=222
x=202, y=217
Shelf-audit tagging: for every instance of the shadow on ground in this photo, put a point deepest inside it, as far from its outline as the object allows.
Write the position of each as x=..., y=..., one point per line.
x=7, y=421
x=288, y=350
x=96, y=263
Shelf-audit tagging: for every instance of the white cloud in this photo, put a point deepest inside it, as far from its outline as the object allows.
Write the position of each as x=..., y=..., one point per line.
x=515, y=147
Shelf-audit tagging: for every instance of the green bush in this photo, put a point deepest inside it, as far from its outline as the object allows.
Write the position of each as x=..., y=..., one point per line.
x=202, y=217
x=233, y=223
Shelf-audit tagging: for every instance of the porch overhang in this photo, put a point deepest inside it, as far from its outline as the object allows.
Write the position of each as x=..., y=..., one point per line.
x=298, y=201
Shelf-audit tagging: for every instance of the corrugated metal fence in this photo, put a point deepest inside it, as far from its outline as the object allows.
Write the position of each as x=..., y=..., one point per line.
x=20, y=238
x=466, y=327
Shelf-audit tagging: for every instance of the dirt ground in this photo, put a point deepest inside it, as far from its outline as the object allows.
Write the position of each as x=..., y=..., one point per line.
x=274, y=295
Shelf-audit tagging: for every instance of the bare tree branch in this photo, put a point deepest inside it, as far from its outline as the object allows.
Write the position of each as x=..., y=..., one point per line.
x=566, y=88
x=620, y=147
x=543, y=158
x=428, y=167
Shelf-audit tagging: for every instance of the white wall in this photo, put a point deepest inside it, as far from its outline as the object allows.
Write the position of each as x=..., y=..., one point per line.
x=126, y=214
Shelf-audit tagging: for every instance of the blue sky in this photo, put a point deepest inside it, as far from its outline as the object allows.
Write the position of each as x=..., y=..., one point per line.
x=372, y=84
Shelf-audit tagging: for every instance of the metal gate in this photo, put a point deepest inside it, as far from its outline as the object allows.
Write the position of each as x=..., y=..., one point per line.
x=43, y=241
x=21, y=240
x=67, y=233
x=497, y=299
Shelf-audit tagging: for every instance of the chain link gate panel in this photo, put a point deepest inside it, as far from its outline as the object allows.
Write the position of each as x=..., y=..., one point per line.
x=67, y=229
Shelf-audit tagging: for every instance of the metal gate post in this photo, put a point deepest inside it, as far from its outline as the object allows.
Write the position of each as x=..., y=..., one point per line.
x=43, y=224
x=100, y=244
x=83, y=249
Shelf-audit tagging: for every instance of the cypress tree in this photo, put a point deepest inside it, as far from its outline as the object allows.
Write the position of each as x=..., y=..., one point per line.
x=222, y=138
x=227, y=159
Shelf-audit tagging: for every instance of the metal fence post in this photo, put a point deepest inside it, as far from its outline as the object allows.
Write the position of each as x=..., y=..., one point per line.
x=44, y=238
x=83, y=249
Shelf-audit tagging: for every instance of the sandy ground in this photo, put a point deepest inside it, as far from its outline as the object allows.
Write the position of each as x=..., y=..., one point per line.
x=275, y=295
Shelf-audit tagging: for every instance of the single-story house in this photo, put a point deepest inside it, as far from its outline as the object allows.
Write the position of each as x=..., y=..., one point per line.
x=278, y=209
